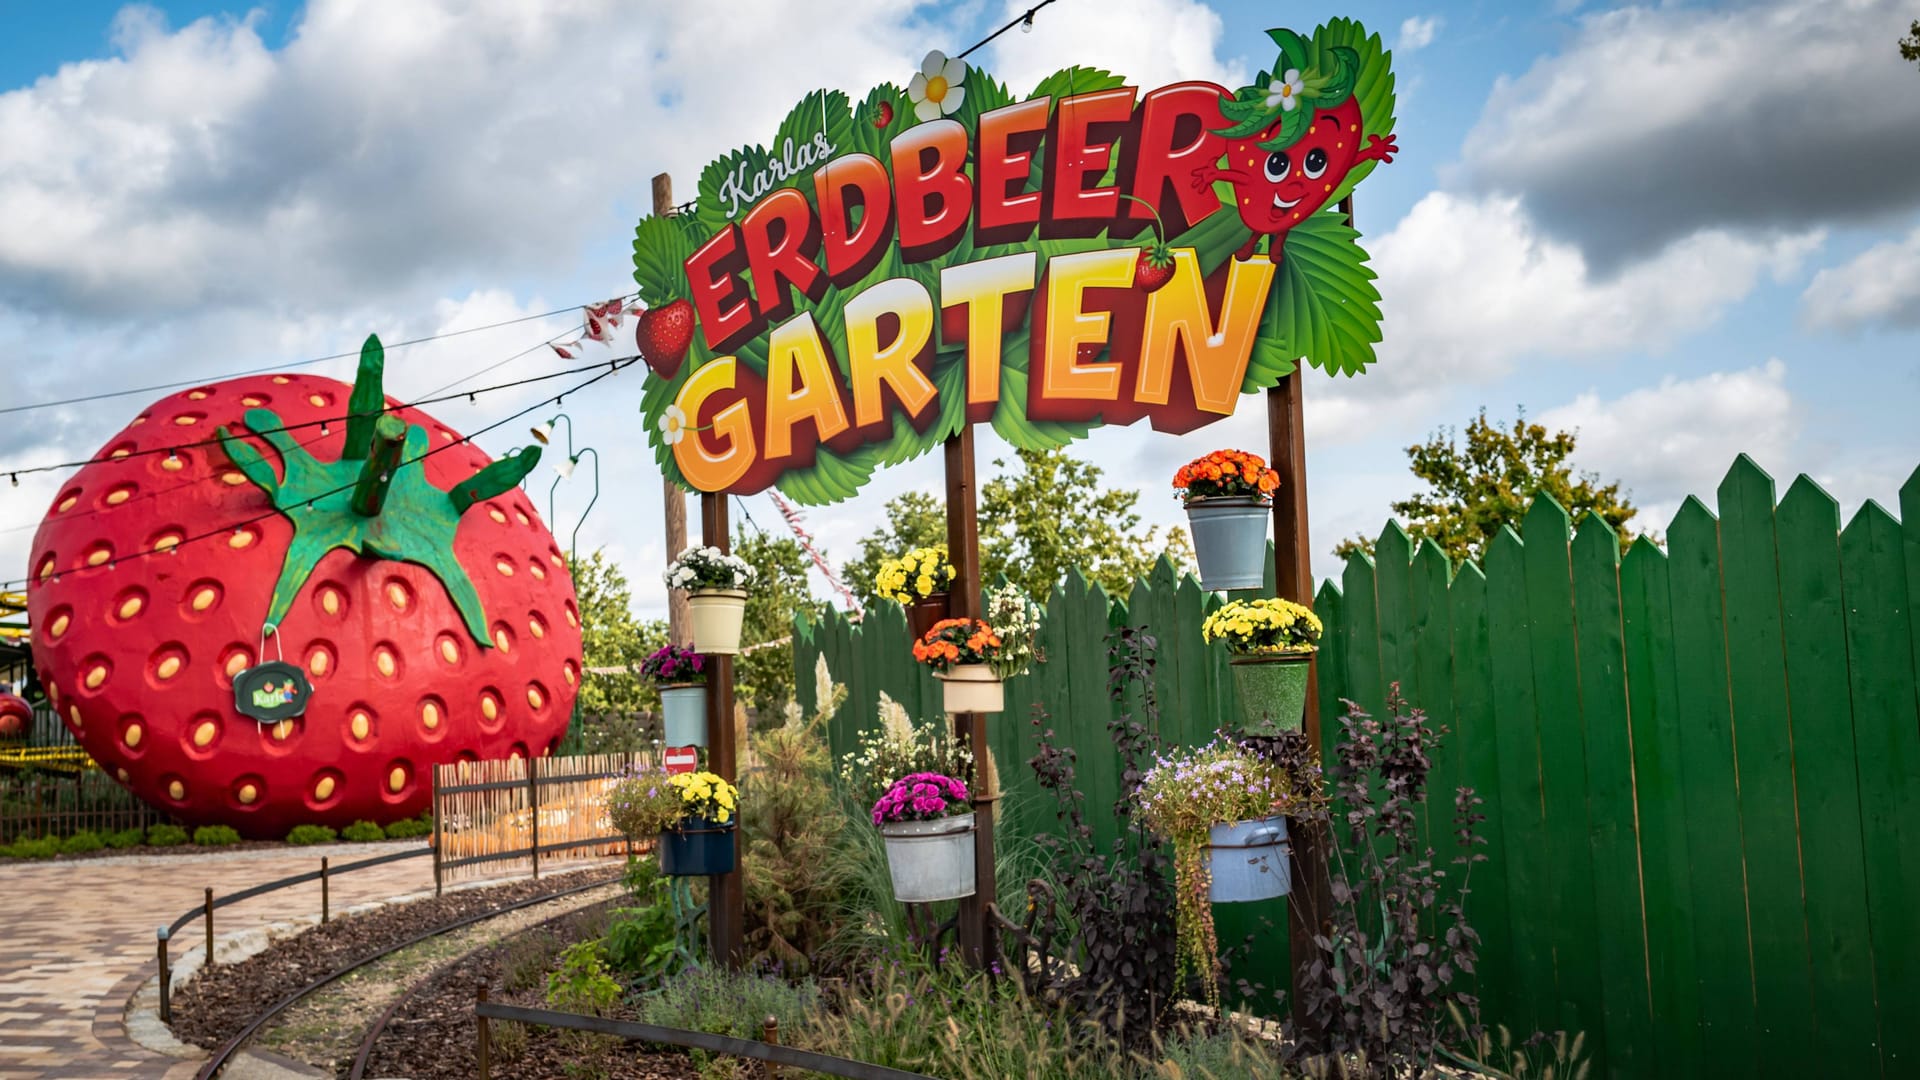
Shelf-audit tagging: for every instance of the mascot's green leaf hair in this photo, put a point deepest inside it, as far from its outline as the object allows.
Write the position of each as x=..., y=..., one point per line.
x=1305, y=77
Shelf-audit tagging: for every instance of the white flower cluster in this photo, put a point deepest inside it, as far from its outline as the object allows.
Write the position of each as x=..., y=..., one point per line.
x=708, y=568
x=1016, y=619
x=897, y=747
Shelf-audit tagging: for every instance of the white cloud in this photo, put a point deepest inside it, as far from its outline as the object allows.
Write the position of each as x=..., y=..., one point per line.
x=1677, y=438
x=1472, y=288
x=1417, y=32
x=1657, y=122
x=1879, y=286
x=391, y=145
x=1150, y=42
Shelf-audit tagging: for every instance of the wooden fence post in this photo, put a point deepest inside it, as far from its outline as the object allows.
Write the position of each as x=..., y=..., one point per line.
x=533, y=806
x=770, y=1034
x=485, y=1053
x=166, y=976
x=209, y=921
x=323, y=890
x=679, y=615
x=439, y=812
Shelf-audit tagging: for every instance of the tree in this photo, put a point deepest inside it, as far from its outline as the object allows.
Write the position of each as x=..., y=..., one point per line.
x=1910, y=45
x=1476, y=488
x=610, y=637
x=1055, y=514
x=764, y=675
x=915, y=519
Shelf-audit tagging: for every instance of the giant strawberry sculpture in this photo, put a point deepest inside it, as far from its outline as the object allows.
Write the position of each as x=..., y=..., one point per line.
x=401, y=571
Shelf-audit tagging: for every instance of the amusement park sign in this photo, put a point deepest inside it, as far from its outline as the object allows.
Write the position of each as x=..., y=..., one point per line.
x=884, y=273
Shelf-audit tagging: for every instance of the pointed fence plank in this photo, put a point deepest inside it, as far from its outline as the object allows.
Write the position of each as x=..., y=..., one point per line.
x=1563, y=769
x=1478, y=754
x=1531, y=872
x=1880, y=668
x=1432, y=643
x=1763, y=744
x=1660, y=803
x=1620, y=926
x=1844, y=1032
x=1712, y=793
x=1360, y=606
x=1331, y=661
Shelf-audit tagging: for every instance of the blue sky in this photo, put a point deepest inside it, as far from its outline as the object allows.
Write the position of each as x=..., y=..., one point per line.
x=1686, y=229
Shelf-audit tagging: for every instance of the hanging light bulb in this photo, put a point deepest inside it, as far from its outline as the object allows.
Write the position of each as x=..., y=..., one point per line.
x=1026, y=24
x=323, y=427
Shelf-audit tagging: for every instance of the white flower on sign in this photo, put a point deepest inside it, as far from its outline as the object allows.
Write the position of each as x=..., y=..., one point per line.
x=935, y=89
x=1286, y=92
x=673, y=425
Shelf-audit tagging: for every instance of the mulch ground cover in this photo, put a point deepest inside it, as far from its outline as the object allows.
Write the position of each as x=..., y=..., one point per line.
x=217, y=1003
x=433, y=1035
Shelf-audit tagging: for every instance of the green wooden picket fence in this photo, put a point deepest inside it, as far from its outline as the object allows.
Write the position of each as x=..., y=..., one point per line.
x=1700, y=766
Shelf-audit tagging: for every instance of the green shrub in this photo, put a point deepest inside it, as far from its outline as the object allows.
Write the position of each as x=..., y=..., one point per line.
x=166, y=836
x=363, y=832
x=6, y=851
x=43, y=848
x=126, y=838
x=215, y=836
x=722, y=1002
x=407, y=828
x=307, y=835
x=80, y=843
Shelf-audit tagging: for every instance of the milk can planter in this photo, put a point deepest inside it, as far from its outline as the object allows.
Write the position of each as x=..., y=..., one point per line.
x=930, y=860
x=972, y=660
x=717, y=617
x=716, y=584
x=680, y=674
x=972, y=688
x=918, y=581
x=926, y=613
x=1223, y=805
x=1247, y=860
x=693, y=818
x=698, y=848
x=1273, y=691
x=927, y=825
x=1229, y=500
x=1272, y=642
x=683, y=715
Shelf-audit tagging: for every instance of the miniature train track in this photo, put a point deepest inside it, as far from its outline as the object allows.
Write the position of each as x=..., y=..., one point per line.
x=378, y=1028
x=232, y=1046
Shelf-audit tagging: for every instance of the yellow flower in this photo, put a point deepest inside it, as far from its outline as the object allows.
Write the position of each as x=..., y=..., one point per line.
x=923, y=584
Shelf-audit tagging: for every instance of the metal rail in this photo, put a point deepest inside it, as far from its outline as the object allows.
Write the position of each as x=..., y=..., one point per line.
x=379, y=1026
x=233, y=1045
x=772, y=1053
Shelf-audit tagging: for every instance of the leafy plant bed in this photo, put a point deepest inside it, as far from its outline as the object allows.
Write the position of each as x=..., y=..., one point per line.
x=433, y=1035
x=215, y=1004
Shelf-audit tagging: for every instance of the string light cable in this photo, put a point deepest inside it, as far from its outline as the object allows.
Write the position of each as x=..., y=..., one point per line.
x=270, y=369
x=325, y=422
x=233, y=526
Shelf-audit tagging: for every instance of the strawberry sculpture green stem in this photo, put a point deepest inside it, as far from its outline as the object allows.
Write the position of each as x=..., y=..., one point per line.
x=375, y=500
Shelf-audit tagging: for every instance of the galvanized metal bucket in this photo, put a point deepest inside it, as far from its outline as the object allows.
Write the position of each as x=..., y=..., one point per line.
x=683, y=712
x=1230, y=541
x=1248, y=860
x=930, y=860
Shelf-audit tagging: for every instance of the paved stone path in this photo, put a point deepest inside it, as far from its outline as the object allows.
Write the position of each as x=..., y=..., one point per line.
x=77, y=939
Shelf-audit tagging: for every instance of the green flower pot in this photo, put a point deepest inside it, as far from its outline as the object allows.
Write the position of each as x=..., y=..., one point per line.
x=1273, y=691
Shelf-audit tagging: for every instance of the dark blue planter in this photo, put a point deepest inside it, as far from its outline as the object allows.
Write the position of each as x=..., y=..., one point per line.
x=697, y=849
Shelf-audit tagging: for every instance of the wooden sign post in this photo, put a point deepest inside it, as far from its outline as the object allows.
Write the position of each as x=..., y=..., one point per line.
x=726, y=895
x=976, y=935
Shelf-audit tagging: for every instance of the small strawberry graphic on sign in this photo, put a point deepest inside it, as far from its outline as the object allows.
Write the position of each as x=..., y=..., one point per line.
x=663, y=335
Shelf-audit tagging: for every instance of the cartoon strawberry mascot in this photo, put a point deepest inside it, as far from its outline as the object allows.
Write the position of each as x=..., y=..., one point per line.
x=363, y=547
x=1296, y=134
